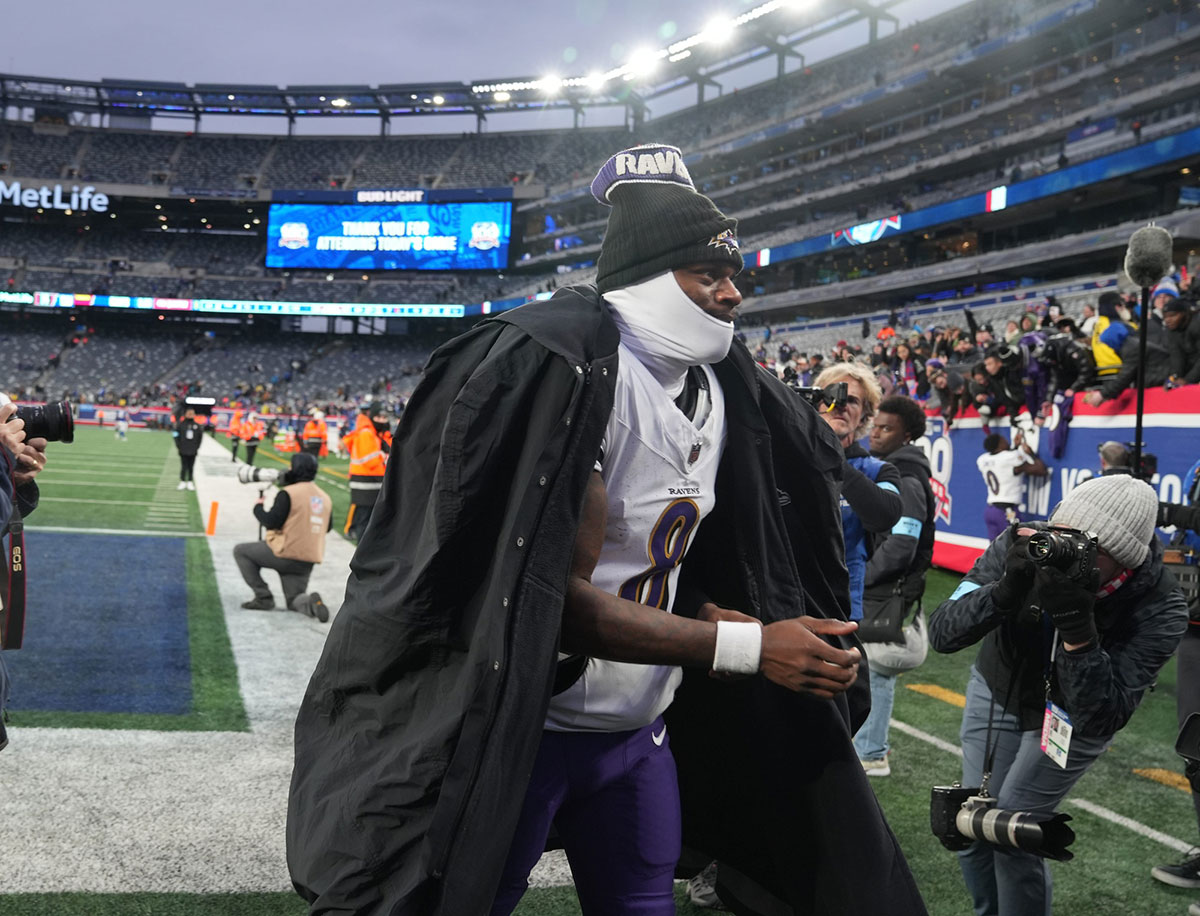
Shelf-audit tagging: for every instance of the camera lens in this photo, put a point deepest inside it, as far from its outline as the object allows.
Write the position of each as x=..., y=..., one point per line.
x=52, y=422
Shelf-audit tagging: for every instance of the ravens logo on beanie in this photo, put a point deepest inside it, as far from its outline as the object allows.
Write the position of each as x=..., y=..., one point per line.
x=659, y=221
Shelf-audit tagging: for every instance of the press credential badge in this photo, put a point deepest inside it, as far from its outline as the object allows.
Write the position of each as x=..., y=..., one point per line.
x=1056, y=734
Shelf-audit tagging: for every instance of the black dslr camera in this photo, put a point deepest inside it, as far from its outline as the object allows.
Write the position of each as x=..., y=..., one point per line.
x=1067, y=550
x=826, y=398
x=960, y=816
x=52, y=422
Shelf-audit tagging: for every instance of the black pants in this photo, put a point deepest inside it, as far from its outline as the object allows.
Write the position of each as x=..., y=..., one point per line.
x=234, y=443
x=254, y=556
x=186, y=465
x=251, y=448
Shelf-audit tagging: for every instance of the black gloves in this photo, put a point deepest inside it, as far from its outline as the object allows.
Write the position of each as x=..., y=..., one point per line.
x=1009, y=593
x=1069, y=604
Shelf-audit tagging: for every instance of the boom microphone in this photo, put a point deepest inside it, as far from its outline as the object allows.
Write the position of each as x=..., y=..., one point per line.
x=1149, y=257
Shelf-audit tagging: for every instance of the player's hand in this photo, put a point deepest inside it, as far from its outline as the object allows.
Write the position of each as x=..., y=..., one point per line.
x=31, y=458
x=796, y=657
x=1093, y=399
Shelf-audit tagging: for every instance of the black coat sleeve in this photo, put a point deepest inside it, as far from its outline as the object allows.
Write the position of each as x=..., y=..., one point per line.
x=894, y=554
x=273, y=520
x=877, y=506
x=969, y=614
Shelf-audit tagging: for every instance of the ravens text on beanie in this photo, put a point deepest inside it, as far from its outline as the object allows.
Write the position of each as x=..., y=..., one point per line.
x=659, y=221
x=1119, y=510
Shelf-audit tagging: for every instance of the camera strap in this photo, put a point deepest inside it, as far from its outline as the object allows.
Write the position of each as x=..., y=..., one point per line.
x=989, y=748
x=1050, y=635
x=12, y=617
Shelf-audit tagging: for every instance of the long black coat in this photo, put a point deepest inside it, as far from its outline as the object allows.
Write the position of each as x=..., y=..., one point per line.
x=418, y=732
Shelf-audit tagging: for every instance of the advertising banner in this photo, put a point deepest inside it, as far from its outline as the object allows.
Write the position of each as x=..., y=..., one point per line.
x=1171, y=433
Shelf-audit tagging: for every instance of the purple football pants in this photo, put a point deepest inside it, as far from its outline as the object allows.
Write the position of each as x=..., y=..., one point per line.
x=997, y=520
x=614, y=797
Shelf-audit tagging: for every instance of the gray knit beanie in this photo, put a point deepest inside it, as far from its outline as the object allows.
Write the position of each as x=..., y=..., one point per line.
x=659, y=221
x=1119, y=509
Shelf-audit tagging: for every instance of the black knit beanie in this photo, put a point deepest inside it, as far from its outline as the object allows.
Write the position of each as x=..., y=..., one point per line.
x=659, y=221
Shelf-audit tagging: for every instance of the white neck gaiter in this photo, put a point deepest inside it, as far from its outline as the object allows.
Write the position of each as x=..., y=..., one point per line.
x=667, y=331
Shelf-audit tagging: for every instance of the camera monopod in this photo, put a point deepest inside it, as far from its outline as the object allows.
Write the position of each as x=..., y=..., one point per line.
x=1147, y=261
x=262, y=494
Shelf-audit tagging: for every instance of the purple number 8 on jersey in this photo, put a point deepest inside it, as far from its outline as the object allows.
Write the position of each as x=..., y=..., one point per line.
x=666, y=547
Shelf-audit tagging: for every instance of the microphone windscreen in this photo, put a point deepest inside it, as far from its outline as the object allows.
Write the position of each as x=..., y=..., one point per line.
x=1149, y=257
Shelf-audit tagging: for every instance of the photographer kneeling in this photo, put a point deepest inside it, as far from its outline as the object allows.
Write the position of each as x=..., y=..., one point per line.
x=295, y=541
x=1074, y=631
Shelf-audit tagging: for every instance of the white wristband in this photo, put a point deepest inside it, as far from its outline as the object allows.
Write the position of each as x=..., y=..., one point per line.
x=739, y=647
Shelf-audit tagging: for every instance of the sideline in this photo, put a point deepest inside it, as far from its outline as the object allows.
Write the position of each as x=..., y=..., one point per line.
x=135, y=532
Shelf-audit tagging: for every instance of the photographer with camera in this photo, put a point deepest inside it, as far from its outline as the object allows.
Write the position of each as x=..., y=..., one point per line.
x=21, y=460
x=1074, y=629
x=296, y=525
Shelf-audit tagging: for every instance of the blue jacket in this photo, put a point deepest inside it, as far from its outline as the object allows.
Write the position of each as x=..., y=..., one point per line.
x=871, y=504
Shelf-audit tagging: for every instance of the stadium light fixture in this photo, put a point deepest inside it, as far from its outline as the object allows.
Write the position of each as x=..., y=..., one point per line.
x=718, y=31
x=643, y=61
x=230, y=97
x=438, y=99
x=339, y=103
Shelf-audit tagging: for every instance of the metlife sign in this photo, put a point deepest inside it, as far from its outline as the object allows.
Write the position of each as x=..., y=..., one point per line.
x=54, y=198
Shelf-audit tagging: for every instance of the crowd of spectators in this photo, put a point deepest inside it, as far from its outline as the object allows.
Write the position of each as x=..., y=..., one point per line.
x=1025, y=368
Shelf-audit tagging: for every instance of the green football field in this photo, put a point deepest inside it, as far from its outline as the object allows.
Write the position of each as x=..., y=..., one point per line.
x=1132, y=811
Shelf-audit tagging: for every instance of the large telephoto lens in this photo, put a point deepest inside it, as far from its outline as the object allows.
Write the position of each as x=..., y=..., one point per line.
x=1045, y=835
x=52, y=422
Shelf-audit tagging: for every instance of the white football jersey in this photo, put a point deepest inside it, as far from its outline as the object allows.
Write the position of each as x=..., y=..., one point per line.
x=660, y=471
x=1003, y=485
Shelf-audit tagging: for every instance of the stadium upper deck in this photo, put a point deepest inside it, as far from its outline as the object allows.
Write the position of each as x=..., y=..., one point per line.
x=941, y=111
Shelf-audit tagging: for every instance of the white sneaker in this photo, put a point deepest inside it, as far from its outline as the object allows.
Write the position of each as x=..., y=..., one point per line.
x=876, y=767
x=191, y=484
x=182, y=485
x=702, y=889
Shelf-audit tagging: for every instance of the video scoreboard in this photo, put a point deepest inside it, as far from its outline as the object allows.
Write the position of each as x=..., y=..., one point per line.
x=414, y=229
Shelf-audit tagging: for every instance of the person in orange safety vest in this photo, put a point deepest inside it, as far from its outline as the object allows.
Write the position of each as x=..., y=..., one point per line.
x=235, y=432
x=315, y=438
x=369, y=444
x=252, y=432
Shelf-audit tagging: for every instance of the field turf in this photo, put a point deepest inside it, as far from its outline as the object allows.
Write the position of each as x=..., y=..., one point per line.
x=1145, y=812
